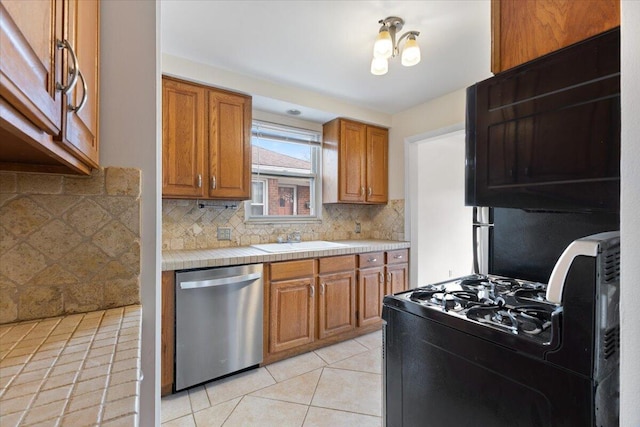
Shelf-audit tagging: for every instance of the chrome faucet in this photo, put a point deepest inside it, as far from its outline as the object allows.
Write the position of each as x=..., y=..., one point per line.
x=294, y=237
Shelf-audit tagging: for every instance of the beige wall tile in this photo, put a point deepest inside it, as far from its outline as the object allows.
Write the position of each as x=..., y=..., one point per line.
x=8, y=182
x=123, y=182
x=39, y=184
x=186, y=226
x=63, y=238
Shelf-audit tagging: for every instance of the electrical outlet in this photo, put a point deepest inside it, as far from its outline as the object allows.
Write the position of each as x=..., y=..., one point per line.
x=358, y=229
x=224, y=233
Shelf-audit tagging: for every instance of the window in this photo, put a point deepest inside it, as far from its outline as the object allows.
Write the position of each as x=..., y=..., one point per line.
x=285, y=173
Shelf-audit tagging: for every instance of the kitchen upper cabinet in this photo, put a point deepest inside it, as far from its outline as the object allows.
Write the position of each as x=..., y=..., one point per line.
x=49, y=82
x=397, y=271
x=525, y=30
x=183, y=139
x=355, y=163
x=337, y=299
x=206, y=142
x=371, y=288
x=292, y=304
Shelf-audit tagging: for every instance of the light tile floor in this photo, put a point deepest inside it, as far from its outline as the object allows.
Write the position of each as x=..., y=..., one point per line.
x=339, y=385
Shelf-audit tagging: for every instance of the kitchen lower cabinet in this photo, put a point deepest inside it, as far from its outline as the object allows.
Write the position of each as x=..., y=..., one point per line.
x=167, y=332
x=371, y=288
x=397, y=271
x=292, y=304
x=337, y=299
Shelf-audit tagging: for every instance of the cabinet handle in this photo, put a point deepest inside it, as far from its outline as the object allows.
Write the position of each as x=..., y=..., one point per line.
x=372, y=259
x=362, y=191
x=199, y=181
x=85, y=95
x=312, y=290
x=388, y=277
x=322, y=289
x=397, y=257
x=64, y=44
x=370, y=191
x=380, y=277
x=213, y=182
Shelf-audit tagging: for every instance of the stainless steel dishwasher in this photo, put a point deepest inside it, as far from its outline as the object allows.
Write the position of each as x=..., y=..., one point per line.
x=218, y=322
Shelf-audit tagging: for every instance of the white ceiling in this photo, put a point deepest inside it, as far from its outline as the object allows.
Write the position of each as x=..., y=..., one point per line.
x=326, y=47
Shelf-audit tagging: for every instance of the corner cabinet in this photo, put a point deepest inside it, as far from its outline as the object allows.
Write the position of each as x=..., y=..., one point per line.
x=525, y=30
x=206, y=142
x=355, y=163
x=49, y=81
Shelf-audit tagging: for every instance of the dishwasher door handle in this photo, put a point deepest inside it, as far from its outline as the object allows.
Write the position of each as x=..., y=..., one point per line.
x=228, y=280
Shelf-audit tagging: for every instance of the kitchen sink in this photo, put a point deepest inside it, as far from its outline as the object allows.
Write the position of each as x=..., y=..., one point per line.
x=314, y=245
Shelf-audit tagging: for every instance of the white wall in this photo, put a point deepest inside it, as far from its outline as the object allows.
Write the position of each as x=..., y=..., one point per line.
x=630, y=216
x=443, y=112
x=129, y=136
x=440, y=223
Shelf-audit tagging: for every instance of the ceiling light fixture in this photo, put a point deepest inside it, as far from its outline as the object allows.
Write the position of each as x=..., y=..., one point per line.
x=386, y=46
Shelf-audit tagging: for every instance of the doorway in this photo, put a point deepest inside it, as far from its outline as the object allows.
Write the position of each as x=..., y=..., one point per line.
x=440, y=223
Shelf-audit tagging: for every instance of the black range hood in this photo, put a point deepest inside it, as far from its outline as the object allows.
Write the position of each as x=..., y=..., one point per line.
x=546, y=134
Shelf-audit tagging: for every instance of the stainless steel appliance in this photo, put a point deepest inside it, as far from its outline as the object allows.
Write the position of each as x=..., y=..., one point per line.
x=488, y=350
x=218, y=322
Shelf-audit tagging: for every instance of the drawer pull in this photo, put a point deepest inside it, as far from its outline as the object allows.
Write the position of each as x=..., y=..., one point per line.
x=322, y=289
x=312, y=291
x=397, y=257
x=372, y=260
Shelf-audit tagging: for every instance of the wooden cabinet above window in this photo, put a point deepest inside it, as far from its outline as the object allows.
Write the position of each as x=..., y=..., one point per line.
x=49, y=85
x=206, y=142
x=525, y=30
x=355, y=163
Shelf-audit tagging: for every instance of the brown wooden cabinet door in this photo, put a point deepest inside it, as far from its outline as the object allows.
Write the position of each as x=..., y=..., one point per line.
x=80, y=114
x=353, y=152
x=229, y=146
x=291, y=314
x=370, y=294
x=525, y=30
x=183, y=139
x=397, y=278
x=30, y=61
x=337, y=303
x=168, y=342
x=377, y=165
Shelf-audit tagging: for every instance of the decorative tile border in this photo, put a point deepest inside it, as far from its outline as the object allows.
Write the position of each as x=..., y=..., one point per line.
x=81, y=369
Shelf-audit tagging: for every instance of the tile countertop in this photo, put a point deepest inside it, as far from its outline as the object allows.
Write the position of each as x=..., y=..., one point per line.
x=199, y=258
x=75, y=370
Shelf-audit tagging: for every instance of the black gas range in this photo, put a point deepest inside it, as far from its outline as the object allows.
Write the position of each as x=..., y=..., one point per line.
x=487, y=350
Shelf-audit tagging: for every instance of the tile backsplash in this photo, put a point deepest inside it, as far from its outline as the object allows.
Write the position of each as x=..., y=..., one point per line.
x=68, y=244
x=187, y=226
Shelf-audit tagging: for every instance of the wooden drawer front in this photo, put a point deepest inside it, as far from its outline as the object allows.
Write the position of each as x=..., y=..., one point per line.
x=400, y=256
x=372, y=259
x=337, y=263
x=292, y=269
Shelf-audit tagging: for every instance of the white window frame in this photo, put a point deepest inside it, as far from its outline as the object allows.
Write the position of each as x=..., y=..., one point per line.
x=315, y=179
x=265, y=195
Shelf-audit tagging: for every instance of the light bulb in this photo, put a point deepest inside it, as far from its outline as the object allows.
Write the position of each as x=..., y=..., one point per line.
x=379, y=66
x=410, y=52
x=383, y=47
